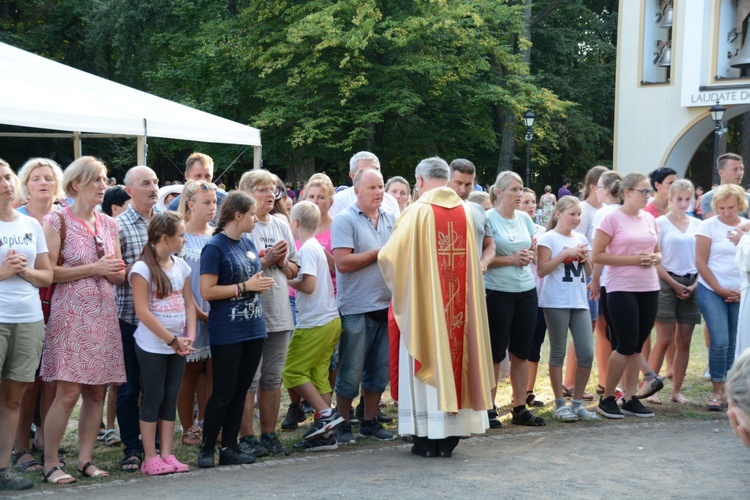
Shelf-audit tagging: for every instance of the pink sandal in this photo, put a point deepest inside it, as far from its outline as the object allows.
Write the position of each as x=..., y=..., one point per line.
x=156, y=467
x=178, y=466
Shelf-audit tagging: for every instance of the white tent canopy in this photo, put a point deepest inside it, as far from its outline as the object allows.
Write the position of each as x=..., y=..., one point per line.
x=40, y=93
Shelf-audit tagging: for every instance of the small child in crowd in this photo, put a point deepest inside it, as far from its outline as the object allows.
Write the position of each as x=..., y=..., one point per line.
x=166, y=309
x=317, y=332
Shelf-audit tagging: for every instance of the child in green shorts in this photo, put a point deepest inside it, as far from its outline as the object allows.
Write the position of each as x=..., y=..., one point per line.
x=316, y=334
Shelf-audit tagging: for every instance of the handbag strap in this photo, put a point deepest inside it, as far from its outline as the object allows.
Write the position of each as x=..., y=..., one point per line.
x=63, y=231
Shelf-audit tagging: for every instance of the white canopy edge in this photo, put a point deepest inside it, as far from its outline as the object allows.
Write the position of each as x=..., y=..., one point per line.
x=41, y=93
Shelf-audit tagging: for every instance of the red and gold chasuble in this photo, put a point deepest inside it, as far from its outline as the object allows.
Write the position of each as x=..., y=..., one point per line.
x=431, y=265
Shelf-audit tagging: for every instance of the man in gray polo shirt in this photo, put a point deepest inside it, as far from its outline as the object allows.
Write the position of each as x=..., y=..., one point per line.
x=462, y=175
x=357, y=235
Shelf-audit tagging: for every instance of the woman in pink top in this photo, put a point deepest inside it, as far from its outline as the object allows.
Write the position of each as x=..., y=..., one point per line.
x=626, y=244
x=661, y=181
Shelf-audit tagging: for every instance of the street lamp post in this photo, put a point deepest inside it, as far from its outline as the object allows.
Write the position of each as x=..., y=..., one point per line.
x=717, y=114
x=528, y=120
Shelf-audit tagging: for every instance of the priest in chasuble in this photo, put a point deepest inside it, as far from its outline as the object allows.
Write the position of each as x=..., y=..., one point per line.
x=441, y=367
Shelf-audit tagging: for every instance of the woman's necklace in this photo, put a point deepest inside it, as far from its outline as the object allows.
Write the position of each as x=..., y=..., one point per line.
x=512, y=223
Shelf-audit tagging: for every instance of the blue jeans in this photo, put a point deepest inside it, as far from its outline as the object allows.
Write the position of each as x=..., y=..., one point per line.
x=364, y=355
x=721, y=319
x=128, y=412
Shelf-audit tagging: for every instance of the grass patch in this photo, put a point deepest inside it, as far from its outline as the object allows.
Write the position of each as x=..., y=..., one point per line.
x=695, y=388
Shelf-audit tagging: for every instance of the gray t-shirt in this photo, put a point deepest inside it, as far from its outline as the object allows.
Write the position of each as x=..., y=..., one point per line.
x=481, y=223
x=708, y=197
x=275, y=302
x=363, y=290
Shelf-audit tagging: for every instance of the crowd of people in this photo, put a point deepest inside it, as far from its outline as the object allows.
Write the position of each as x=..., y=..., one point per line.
x=195, y=302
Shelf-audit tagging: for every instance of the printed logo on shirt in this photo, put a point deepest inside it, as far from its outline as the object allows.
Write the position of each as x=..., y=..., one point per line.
x=26, y=239
x=573, y=268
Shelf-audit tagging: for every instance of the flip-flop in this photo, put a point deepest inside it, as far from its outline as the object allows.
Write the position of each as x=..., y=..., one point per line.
x=65, y=477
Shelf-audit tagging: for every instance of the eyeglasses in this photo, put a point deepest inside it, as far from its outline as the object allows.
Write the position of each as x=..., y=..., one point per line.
x=99, y=246
x=644, y=192
x=267, y=191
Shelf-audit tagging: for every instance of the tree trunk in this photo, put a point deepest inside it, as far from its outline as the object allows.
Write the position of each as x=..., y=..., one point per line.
x=506, y=117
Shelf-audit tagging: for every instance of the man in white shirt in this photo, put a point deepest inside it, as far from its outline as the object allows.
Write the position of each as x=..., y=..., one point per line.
x=343, y=199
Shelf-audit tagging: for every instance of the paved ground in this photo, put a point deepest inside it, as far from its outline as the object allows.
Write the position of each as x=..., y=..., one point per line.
x=677, y=458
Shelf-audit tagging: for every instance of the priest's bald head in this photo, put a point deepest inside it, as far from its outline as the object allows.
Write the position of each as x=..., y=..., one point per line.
x=431, y=173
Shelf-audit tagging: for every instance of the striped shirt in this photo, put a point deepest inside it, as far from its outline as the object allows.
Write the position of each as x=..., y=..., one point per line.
x=133, y=236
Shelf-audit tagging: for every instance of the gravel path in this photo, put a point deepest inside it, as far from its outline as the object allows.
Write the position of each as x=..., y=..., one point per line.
x=676, y=458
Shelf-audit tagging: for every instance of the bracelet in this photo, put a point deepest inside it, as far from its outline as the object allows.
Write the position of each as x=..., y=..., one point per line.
x=285, y=265
x=237, y=290
x=171, y=344
x=244, y=287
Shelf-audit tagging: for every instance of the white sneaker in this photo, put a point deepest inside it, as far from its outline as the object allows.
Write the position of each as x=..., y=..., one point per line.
x=565, y=414
x=583, y=414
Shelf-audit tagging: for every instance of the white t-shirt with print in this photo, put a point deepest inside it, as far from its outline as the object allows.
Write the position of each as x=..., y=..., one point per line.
x=19, y=299
x=170, y=311
x=317, y=308
x=565, y=286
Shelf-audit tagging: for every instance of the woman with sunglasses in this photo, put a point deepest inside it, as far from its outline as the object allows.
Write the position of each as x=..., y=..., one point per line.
x=626, y=244
x=82, y=346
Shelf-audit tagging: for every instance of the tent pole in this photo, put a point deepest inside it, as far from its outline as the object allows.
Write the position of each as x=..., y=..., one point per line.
x=257, y=161
x=76, y=145
x=143, y=145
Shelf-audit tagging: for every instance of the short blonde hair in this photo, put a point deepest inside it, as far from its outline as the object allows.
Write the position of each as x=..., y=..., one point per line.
x=322, y=181
x=205, y=160
x=737, y=386
x=308, y=215
x=726, y=191
x=33, y=164
x=478, y=197
x=252, y=179
x=83, y=171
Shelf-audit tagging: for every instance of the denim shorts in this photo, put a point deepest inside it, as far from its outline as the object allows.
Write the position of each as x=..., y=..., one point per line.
x=363, y=355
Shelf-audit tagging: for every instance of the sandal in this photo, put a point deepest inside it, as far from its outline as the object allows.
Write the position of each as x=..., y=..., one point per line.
x=714, y=405
x=567, y=393
x=599, y=389
x=565, y=414
x=111, y=437
x=531, y=400
x=101, y=433
x=63, y=479
x=156, y=467
x=130, y=464
x=525, y=417
x=31, y=465
x=84, y=471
